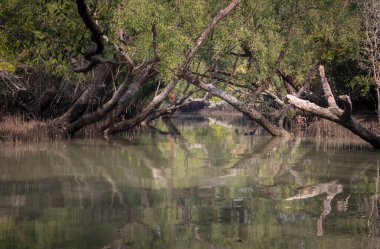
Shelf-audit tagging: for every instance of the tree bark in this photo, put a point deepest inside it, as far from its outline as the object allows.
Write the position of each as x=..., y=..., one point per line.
x=126, y=101
x=140, y=117
x=326, y=88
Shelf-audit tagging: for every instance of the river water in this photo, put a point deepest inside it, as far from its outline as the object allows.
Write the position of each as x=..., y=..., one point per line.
x=210, y=186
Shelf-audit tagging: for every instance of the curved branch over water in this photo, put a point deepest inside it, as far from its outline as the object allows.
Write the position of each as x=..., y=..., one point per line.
x=334, y=113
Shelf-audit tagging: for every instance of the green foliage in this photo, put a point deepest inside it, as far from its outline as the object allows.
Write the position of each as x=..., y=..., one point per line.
x=362, y=84
x=38, y=34
x=7, y=66
x=178, y=23
x=52, y=35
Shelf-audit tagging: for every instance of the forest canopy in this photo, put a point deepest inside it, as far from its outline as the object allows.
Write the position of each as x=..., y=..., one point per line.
x=134, y=54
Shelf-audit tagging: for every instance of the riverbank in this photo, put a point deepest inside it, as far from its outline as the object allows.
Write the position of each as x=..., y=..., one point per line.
x=16, y=129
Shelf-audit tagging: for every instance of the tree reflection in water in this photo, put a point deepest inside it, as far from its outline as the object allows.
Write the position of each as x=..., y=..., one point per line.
x=199, y=186
x=373, y=217
x=331, y=189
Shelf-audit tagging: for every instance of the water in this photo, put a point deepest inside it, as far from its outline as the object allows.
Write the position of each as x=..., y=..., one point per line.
x=210, y=187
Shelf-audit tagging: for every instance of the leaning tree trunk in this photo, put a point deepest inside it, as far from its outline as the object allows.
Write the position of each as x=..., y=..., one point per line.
x=305, y=86
x=240, y=106
x=101, y=112
x=102, y=75
x=334, y=113
x=179, y=72
x=126, y=101
x=140, y=117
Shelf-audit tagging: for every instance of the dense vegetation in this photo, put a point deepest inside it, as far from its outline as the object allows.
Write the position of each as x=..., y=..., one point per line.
x=121, y=63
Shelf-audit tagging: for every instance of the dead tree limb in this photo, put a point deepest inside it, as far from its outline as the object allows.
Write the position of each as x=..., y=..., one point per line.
x=334, y=113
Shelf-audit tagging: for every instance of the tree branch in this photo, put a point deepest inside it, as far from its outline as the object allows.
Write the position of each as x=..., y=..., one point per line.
x=326, y=88
x=305, y=85
x=222, y=14
x=92, y=55
x=239, y=105
x=154, y=42
x=334, y=113
x=181, y=70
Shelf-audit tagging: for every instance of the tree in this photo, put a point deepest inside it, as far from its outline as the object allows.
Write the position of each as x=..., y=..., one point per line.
x=370, y=11
x=334, y=113
x=136, y=53
x=271, y=49
x=136, y=74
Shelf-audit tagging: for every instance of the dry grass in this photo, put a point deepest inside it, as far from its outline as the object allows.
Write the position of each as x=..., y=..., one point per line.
x=326, y=128
x=15, y=130
x=337, y=135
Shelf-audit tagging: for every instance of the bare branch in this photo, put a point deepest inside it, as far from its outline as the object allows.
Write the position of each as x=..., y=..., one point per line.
x=239, y=105
x=125, y=55
x=154, y=42
x=275, y=97
x=304, y=87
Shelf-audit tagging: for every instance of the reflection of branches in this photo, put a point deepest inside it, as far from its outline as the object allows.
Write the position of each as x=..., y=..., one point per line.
x=331, y=188
x=162, y=180
x=317, y=189
x=268, y=148
x=326, y=211
x=373, y=219
x=262, y=148
x=115, y=189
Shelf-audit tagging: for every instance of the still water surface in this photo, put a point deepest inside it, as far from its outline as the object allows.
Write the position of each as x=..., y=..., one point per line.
x=210, y=187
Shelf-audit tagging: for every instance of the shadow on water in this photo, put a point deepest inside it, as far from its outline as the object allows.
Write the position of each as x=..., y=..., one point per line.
x=196, y=183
